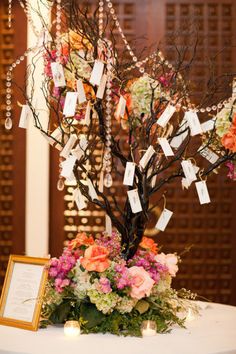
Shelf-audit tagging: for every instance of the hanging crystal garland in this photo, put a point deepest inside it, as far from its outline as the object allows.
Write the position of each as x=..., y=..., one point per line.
x=9, y=13
x=100, y=18
x=58, y=30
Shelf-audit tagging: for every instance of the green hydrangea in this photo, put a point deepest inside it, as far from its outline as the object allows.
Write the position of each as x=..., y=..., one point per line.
x=104, y=302
x=222, y=121
x=126, y=304
x=77, y=64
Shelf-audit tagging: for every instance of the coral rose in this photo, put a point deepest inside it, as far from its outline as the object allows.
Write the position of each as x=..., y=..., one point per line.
x=229, y=140
x=149, y=244
x=95, y=259
x=81, y=240
x=169, y=260
x=142, y=283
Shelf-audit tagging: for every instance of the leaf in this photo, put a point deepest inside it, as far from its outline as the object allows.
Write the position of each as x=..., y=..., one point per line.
x=142, y=306
x=61, y=312
x=91, y=315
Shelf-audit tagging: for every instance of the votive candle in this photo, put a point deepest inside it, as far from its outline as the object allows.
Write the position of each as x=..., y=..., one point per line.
x=71, y=328
x=149, y=328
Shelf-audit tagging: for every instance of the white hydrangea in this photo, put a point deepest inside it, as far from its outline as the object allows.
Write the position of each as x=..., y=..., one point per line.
x=104, y=302
x=126, y=304
x=83, y=284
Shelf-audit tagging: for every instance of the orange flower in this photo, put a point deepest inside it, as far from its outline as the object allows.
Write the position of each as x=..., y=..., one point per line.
x=81, y=240
x=229, y=140
x=148, y=244
x=95, y=259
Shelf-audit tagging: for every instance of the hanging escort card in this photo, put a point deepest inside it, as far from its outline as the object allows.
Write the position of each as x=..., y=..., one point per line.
x=81, y=92
x=180, y=136
x=24, y=117
x=202, y=192
x=79, y=199
x=102, y=86
x=146, y=157
x=165, y=147
x=70, y=104
x=91, y=190
x=208, y=154
x=69, y=145
x=120, y=111
x=164, y=219
x=129, y=174
x=166, y=115
x=208, y=125
x=185, y=183
x=193, y=123
x=189, y=170
x=101, y=182
x=67, y=166
x=87, y=114
x=97, y=72
x=134, y=201
x=58, y=75
x=108, y=224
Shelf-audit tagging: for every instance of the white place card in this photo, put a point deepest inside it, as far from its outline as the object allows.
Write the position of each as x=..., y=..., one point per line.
x=70, y=104
x=69, y=146
x=164, y=220
x=209, y=155
x=67, y=166
x=234, y=88
x=91, y=190
x=108, y=224
x=166, y=115
x=79, y=199
x=202, y=192
x=185, y=183
x=165, y=146
x=208, y=125
x=129, y=174
x=97, y=73
x=134, y=201
x=101, y=182
x=58, y=75
x=24, y=117
x=87, y=118
x=120, y=111
x=193, y=123
x=81, y=92
x=101, y=87
x=180, y=136
x=189, y=170
x=146, y=157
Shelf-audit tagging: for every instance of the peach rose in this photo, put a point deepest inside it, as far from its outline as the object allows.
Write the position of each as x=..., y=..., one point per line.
x=169, y=260
x=229, y=140
x=95, y=259
x=142, y=283
x=149, y=244
x=81, y=240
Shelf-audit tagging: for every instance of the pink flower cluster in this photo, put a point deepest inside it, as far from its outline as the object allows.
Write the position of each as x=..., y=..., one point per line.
x=232, y=171
x=104, y=285
x=50, y=57
x=122, y=277
x=111, y=243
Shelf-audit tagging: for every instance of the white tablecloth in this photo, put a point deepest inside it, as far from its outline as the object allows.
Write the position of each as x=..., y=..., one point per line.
x=214, y=332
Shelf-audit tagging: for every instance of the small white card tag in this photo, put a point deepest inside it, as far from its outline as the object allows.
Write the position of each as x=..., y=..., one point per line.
x=67, y=166
x=185, y=183
x=70, y=104
x=100, y=183
x=87, y=114
x=165, y=147
x=208, y=125
x=108, y=225
x=146, y=157
x=193, y=123
x=134, y=201
x=91, y=190
x=58, y=75
x=79, y=199
x=208, y=154
x=202, y=192
x=102, y=86
x=189, y=170
x=24, y=117
x=164, y=220
x=234, y=88
x=120, y=110
x=69, y=145
x=166, y=115
x=181, y=135
x=81, y=92
x=97, y=72
x=129, y=174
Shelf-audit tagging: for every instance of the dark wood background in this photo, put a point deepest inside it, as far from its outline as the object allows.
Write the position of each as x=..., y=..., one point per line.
x=210, y=267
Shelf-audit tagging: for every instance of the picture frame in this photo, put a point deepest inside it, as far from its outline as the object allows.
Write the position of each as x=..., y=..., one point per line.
x=23, y=289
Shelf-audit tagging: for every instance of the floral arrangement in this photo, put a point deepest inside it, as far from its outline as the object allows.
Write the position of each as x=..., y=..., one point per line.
x=91, y=283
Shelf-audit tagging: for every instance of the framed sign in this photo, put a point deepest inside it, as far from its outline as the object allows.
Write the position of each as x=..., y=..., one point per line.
x=22, y=293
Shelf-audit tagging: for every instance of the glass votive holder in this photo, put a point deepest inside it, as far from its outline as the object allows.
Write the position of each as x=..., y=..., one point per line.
x=190, y=315
x=71, y=328
x=148, y=328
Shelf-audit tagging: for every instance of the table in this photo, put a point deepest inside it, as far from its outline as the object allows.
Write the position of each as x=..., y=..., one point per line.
x=213, y=332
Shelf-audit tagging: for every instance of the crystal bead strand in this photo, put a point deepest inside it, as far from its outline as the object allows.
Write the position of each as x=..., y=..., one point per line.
x=9, y=13
x=107, y=155
x=26, y=9
x=58, y=30
x=100, y=18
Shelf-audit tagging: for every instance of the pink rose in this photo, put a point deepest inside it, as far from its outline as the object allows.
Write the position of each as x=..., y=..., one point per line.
x=142, y=283
x=169, y=260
